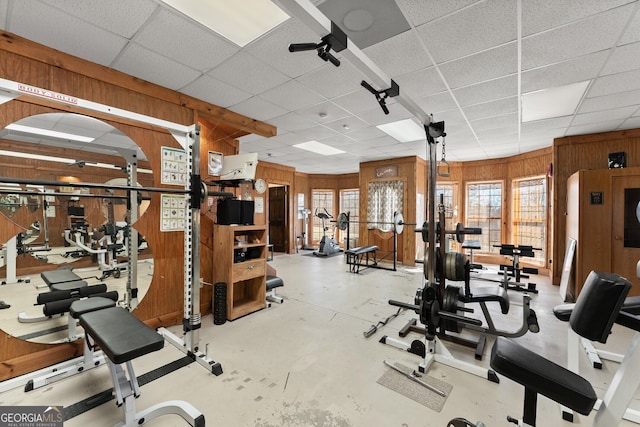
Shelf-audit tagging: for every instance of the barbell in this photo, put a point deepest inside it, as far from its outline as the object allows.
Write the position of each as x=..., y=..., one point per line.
x=398, y=223
x=459, y=232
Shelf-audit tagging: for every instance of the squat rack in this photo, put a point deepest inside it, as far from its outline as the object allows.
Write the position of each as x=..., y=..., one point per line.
x=189, y=139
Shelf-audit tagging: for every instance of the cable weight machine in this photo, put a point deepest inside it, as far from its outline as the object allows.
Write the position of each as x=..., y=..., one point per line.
x=441, y=307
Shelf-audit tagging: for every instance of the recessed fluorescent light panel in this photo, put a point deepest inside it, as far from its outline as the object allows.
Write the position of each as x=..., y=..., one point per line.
x=49, y=133
x=553, y=102
x=319, y=148
x=240, y=21
x=403, y=130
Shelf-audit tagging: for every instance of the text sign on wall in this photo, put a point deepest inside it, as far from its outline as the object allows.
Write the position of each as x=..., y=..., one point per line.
x=387, y=172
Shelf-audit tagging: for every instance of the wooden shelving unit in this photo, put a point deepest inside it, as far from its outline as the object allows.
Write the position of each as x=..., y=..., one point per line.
x=239, y=260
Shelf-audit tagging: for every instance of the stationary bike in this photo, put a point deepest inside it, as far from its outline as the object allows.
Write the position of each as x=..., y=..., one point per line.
x=328, y=245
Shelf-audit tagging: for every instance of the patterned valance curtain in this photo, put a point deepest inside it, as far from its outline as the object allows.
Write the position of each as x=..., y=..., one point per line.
x=384, y=198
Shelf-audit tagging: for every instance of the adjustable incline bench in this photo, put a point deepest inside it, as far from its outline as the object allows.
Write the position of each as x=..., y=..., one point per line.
x=123, y=337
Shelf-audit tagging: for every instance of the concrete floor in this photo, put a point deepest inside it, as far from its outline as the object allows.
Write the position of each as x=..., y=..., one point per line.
x=306, y=363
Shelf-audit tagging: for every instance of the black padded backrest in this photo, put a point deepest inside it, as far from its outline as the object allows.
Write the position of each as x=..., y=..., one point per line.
x=598, y=305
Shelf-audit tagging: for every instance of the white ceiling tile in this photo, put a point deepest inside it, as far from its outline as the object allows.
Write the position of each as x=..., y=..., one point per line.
x=609, y=102
x=539, y=15
x=450, y=117
x=580, y=38
x=347, y=125
x=258, y=108
x=486, y=65
x=572, y=71
x=292, y=96
x=391, y=54
x=248, y=73
x=315, y=133
x=487, y=91
x=3, y=12
x=548, y=125
x=154, y=68
x=632, y=123
x=173, y=35
x=480, y=26
x=498, y=122
x=419, y=12
x=376, y=116
x=624, y=58
x=366, y=133
x=324, y=112
x=273, y=49
x=355, y=102
x=594, y=128
x=604, y=116
x=51, y=27
x=632, y=33
x=330, y=81
x=421, y=83
x=291, y=122
x=493, y=108
x=435, y=104
x=214, y=91
x=336, y=141
x=122, y=17
x=615, y=83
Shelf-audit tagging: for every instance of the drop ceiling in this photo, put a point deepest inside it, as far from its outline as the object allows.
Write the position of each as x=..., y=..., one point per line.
x=466, y=62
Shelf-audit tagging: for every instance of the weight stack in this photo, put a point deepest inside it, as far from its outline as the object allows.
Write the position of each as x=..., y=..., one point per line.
x=219, y=303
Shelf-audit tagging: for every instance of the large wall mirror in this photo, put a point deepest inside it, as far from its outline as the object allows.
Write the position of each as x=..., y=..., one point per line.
x=85, y=229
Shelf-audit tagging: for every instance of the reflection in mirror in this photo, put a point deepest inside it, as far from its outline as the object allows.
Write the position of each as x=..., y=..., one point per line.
x=84, y=230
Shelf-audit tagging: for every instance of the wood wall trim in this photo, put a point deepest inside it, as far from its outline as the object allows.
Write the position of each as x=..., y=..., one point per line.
x=20, y=46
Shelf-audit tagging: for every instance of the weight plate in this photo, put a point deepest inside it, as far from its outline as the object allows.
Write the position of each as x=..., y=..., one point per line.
x=342, y=221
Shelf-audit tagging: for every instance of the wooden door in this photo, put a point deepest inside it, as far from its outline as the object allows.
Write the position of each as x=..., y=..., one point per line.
x=625, y=245
x=278, y=226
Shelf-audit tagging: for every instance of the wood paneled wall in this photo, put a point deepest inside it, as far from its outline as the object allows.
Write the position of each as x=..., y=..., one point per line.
x=33, y=64
x=573, y=153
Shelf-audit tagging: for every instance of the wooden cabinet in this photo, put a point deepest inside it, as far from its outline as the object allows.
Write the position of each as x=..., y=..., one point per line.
x=239, y=260
x=601, y=212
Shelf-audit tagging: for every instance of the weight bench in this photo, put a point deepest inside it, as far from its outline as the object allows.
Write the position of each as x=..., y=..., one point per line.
x=472, y=245
x=89, y=359
x=563, y=312
x=593, y=316
x=62, y=279
x=356, y=256
x=122, y=338
x=274, y=282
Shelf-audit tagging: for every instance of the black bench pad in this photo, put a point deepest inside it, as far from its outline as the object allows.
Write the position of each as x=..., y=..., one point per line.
x=362, y=250
x=68, y=286
x=59, y=276
x=563, y=311
x=542, y=376
x=120, y=335
x=80, y=307
x=486, y=294
x=471, y=244
x=274, y=282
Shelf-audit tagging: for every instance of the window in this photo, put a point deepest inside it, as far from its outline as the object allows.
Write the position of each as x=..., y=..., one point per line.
x=449, y=191
x=530, y=215
x=321, y=200
x=484, y=210
x=350, y=202
x=384, y=199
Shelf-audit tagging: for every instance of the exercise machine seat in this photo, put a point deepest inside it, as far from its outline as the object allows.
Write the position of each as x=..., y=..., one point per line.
x=80, y=307
x=486, y=294
x=362, y=250
x=563, y=311
x=59, y=276
x=542, y=375
x=68, y=286
x=593, y=315
x=274, y=282
x=120, y=335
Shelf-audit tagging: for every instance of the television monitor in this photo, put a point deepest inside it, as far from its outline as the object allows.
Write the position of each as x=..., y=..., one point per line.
x=240, y=167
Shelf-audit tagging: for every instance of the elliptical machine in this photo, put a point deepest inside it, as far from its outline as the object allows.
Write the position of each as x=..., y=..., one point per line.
x=328, y=245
